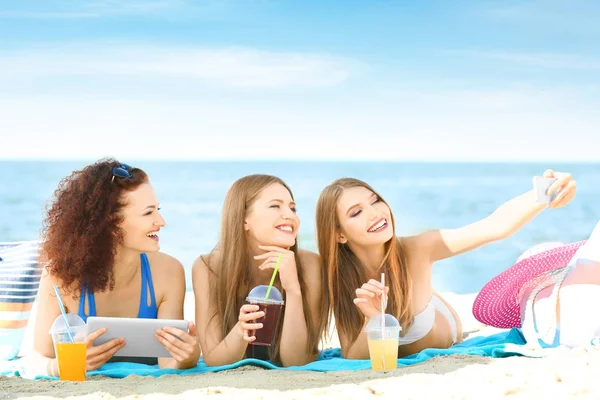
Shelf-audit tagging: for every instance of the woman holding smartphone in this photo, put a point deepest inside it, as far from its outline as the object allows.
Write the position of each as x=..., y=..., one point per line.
x=357, y=242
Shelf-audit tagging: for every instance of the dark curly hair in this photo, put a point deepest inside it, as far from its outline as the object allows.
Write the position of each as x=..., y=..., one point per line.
x=80, y=232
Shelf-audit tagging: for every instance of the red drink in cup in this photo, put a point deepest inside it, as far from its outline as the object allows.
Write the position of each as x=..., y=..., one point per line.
x=271, y=305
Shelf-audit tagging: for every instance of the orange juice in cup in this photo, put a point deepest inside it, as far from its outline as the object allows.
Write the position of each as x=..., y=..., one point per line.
x=70, y=347
x=382, y=339
x=71, y=361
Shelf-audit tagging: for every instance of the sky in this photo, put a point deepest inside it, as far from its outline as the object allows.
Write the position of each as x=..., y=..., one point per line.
x=300, y=80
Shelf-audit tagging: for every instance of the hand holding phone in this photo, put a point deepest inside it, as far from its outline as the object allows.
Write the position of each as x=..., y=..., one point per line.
x=541, y=185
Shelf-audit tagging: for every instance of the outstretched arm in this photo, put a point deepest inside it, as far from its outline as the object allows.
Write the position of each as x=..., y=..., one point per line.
x=502, y=223
x=295, y=335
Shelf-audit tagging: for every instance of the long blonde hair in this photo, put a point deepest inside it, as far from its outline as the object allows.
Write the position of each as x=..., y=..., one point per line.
x=345, y=273
x=231, y=267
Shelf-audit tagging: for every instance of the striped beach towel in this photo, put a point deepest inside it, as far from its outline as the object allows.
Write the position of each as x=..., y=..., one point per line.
x=20, y=273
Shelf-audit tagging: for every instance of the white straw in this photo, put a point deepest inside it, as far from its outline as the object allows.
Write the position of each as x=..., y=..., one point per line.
x=383, y=306
x=383, y=319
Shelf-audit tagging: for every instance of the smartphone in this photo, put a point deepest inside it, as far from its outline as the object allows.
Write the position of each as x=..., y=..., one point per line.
x=541, y=185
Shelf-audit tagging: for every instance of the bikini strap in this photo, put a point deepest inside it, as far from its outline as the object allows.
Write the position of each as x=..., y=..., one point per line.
x=82, y=302
x=147, y=283
x=91, y=302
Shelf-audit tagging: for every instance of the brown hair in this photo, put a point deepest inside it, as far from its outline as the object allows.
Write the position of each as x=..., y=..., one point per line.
x=81, y=228
x=345, y=273
x=232, y=269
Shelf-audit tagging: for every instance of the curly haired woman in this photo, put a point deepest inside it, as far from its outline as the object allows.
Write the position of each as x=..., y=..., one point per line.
x=101, y=246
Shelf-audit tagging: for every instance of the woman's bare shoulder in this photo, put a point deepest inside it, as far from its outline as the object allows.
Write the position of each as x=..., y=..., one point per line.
x=166, y=269
x=310, y=257
x=311, y=263
x=163, y=261
x=206, y=262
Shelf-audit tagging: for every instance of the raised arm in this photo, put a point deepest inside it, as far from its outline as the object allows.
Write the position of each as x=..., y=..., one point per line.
x=295, y=335
x=216, y=349
x=502, y=223
x=368, y=300
x=171, y=278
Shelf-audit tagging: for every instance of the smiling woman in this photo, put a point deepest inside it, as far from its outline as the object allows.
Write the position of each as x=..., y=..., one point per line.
x=357, y=242
x=102, y=247
x=258, y=234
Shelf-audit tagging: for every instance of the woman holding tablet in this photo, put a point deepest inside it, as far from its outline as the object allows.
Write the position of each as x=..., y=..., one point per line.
x=258, y=234
x=101, y=246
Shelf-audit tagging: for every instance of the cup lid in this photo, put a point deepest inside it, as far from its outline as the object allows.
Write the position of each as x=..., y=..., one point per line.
x=259, y=292
x=374, y=323
x=75, y=322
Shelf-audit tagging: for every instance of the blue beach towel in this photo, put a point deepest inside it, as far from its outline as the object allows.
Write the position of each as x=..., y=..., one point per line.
x=503, y=344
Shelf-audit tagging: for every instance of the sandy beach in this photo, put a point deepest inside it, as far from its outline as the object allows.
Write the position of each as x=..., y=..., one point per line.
x=566, y=373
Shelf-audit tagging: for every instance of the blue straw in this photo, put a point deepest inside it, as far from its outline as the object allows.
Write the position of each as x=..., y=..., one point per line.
x=63, y=312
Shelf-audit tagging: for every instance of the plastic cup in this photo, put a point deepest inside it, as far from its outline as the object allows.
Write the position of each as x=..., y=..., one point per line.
x=383, y=342
x=71, y=354
x=271, y=306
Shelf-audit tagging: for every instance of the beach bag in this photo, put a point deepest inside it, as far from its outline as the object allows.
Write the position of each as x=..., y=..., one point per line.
x=564, y=314
x=20, y=273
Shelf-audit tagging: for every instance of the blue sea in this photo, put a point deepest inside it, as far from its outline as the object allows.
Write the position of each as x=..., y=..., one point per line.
x=423, y=196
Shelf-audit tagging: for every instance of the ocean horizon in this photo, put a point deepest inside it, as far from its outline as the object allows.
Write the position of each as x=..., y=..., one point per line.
x=423, y=196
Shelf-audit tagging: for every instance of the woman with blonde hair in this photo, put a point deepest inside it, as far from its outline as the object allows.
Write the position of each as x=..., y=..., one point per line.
x=259, y=227
x=357, y=242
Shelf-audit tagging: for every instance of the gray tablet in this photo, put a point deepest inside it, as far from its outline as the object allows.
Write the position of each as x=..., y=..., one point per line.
x=137, y=332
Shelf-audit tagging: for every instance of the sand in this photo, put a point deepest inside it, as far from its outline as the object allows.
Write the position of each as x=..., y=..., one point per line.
x=567, y=373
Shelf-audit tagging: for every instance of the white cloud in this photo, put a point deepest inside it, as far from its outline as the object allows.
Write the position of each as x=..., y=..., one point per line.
x=521, y=124
x=545, y=60
x=230, y=66
x=133, y=6
x=46, y=15
x=547, y=15
x=92, y=9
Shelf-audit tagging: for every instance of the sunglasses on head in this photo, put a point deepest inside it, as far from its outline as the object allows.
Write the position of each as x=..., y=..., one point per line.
x=121, y=172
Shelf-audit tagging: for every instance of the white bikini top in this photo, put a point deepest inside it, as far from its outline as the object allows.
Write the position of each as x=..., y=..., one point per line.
x=423, y=322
